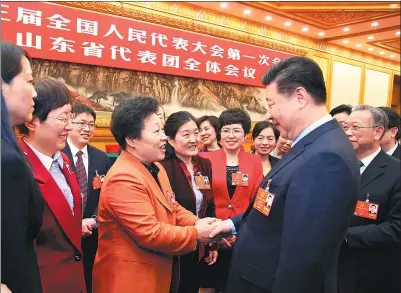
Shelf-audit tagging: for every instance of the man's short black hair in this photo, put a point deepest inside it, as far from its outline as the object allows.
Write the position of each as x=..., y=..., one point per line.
x=394, y=120
x=296, y=72
x=341, y=109
x=79, y=108
x=51, y=94
x=127, y=120
x=214, y=122
x=236, y=116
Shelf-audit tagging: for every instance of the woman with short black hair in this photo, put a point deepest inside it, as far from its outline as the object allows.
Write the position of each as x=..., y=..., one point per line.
x=236, y=177
x=209, y=127
x=264, y=139
x=188, y=173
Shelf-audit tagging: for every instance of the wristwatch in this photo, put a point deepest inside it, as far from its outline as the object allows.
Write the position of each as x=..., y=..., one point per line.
x=95, y=218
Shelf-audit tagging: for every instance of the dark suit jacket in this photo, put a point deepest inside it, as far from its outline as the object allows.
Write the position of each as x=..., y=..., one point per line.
x=295, y=249
x=370, y=259
x=21, y=218
x=58, y=244
x=182, y=188
x=97, y=161
x=397, y=152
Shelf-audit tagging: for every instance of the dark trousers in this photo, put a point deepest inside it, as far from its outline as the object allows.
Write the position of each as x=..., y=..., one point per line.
x=189, y=273
x=89, y=249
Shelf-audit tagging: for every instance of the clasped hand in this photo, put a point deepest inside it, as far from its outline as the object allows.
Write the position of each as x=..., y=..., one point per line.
x=212, y=229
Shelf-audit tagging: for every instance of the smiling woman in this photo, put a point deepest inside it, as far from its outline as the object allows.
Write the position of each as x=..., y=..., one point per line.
x=230, y=166
x=58, y=244
x=190, y=177
x=142, y=228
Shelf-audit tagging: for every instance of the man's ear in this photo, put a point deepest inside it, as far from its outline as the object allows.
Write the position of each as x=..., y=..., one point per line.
x=302, y=97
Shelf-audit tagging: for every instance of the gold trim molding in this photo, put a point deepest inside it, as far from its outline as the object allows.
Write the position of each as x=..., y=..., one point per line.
x=187, y=17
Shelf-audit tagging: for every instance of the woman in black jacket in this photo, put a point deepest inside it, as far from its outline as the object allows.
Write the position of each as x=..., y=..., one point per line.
x=21, y=200
x=190, y=178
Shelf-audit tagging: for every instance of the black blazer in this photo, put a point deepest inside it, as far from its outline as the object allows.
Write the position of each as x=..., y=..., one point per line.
x=273, y=160
x=295, y=249
x=183, y=190
x=397, y=152
x=21, y=219
x=98, y=161
x=373, y=248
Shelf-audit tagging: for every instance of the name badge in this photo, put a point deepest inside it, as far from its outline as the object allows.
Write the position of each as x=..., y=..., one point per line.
x=263, y=201
x=98, y=181
x=239, y=179
x=366, y=210
x=202, y=182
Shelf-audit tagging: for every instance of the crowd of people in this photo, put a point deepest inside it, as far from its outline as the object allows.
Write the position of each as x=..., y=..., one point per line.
x=315, y=207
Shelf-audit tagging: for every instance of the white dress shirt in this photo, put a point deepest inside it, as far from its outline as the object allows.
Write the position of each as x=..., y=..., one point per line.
x=312, y=127
x=85, y=157
x=367, y=160
x=392, y=150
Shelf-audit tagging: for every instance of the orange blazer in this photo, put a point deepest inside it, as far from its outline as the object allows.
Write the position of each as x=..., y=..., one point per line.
x=248, y=164
x=139, y=230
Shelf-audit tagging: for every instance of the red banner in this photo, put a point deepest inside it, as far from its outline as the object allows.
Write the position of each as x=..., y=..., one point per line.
x=56, y=32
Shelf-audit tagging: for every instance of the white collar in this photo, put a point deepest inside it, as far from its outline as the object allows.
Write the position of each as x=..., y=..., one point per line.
x=392, y=150
x=367, y=160
x=46, y=160
x=313, y=126
x=75, y=150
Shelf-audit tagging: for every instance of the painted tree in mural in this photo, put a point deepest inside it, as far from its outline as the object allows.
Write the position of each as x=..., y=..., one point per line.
x=98, y=95
x=120, y=97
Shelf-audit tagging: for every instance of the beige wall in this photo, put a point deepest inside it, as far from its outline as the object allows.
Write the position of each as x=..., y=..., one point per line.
x=376, y=88
x=346, y=84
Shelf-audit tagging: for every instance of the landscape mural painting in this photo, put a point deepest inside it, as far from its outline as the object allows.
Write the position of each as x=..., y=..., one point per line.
x=103, y=88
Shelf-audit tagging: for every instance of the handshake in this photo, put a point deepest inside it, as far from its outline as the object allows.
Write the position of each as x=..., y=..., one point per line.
x=213, y=230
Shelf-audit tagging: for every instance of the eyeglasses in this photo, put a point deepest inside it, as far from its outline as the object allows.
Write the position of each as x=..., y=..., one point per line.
x=227, y=131
x=356, y=128
x=82, y=125
x=65, y=120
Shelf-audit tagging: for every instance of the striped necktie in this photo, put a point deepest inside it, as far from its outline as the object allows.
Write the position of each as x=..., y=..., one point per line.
x=62, y=183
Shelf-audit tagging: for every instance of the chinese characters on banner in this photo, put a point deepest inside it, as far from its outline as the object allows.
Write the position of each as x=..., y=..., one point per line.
x=56, y=32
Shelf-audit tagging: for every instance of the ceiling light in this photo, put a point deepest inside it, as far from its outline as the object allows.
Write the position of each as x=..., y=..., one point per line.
x=268, y=18
x=346, y=29
x=346, y=41
x=247, y=11
x=371, y=37
x=287, y=23
x=358, y=45
x=321, y=34
x=392, y=56
x=371, y=49
x=375, y=23
x=397, y=33
x=382, y=53
x=224, y=5
x=305, y=29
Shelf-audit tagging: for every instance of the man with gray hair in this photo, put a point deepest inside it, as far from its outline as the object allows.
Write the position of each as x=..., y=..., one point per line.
x=369, y=259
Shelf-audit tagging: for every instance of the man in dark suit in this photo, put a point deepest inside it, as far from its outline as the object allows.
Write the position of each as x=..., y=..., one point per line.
x=370, y=257
x=294, y=249
x=389, y=142
x=90, y=164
